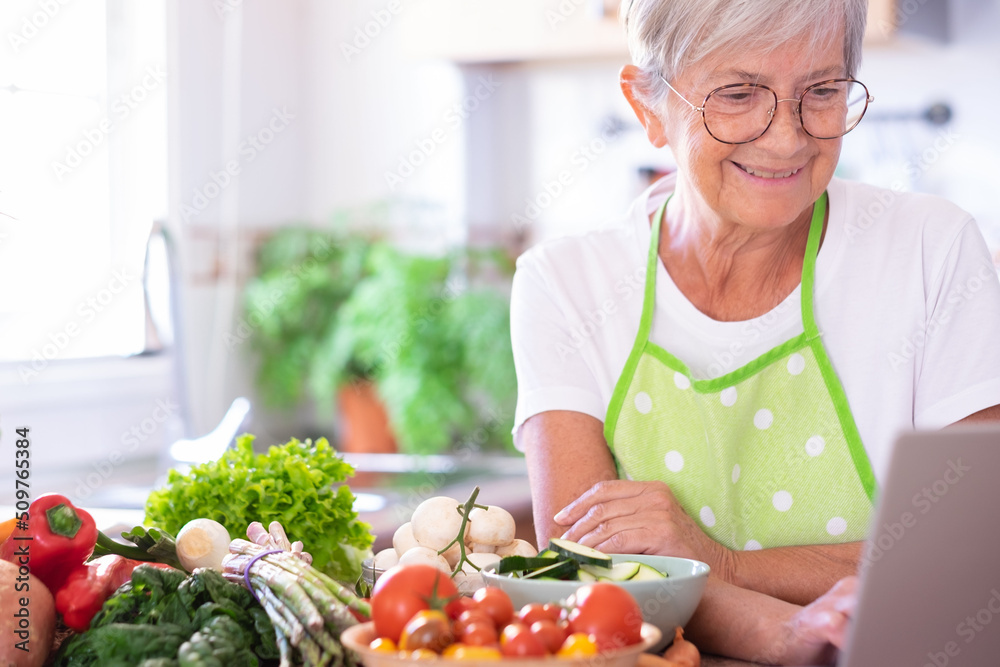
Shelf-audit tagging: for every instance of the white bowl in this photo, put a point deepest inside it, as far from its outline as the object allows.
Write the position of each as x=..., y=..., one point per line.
x=666, y=603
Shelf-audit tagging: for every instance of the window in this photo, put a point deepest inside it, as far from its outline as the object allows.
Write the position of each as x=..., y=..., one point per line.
x=83, y=103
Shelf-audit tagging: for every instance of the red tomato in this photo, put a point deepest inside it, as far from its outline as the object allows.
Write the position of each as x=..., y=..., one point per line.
x=550, y=634
x=469, y=617
x=533, y=611
x=479, y=634
x=555, y=611
x=609, y=613
x=516, y=641
x=403, y=591
x=455, y=608
x=496, y=603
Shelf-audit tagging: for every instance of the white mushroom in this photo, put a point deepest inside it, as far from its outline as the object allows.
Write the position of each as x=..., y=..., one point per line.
x=479, y=560
x=403, y=540
x=478, y=548
x=452, y=555
x=468, y=584
x=517, y=548
x=424, y=556
x=493, y=525
x=436, y=522
x=385, y=559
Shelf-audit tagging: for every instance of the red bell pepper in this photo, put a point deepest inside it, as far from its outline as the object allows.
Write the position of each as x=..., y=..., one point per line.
x=89, y=585
x=58, y=539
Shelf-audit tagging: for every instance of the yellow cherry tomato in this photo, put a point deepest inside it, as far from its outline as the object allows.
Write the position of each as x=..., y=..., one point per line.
x=419, y=654
x=467, y=652
x=383, y=645
x=578, y=645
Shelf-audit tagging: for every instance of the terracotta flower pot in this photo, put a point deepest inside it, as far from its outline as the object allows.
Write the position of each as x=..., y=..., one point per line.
x=364, y=422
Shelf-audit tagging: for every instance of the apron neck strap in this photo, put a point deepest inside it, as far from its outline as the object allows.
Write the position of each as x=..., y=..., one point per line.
x=809, y=266
x=808, y=269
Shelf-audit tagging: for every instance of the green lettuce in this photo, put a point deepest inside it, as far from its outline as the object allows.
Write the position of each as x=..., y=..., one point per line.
x=299, y=484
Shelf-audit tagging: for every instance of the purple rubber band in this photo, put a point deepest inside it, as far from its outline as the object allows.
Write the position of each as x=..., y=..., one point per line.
x=246, y=571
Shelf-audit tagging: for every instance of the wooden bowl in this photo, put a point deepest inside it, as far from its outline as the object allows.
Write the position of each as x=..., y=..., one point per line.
x=358, y=638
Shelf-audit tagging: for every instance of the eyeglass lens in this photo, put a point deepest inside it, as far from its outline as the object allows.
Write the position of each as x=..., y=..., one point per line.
x=742, y=112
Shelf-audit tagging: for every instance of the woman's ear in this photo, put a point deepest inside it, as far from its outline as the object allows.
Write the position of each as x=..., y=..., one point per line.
x=628, y=78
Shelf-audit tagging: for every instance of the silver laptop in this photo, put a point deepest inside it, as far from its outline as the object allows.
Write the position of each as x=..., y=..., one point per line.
x=930, y=575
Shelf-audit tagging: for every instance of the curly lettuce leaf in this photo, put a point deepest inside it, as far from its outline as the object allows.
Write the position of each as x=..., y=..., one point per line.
x=299, y=484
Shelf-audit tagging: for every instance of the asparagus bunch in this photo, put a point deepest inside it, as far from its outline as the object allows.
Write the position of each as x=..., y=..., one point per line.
x=308, y=609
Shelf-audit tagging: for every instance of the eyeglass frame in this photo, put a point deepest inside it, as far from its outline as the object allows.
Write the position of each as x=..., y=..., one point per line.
x=868, y=100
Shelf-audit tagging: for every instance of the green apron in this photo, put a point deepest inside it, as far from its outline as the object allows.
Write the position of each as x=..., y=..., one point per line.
x=765, y=456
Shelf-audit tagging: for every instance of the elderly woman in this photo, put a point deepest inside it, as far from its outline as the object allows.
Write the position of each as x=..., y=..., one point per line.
x=737, y=403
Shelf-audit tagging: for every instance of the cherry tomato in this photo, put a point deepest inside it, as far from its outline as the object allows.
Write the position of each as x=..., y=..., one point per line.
x=481, y=633
x=455, y=608
x=516, y=641
x=383, y=645
x=429, y=628
x=463, y=652
x=468, y=618
x=549, y=633
x=402, y=592
x=496, y=603
x=577, y=645
x=609, y=613
x=533, y=611
x=555, y=611
x=419, y=654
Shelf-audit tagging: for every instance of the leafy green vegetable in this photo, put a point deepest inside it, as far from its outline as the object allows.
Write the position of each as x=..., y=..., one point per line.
x=297, y=484
x=161, y=618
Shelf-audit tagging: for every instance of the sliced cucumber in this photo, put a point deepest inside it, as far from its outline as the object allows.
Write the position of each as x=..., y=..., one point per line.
x=548, y=553
x=520, y=563
x=648, y=573
x=564, y=569
x=579, y=553
x=624, y=570
x=586, y=575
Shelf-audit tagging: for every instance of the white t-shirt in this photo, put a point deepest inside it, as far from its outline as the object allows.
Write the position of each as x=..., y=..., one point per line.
x=906, y=298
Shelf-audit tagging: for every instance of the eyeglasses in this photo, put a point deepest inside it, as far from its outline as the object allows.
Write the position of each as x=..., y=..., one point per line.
x=741, y=112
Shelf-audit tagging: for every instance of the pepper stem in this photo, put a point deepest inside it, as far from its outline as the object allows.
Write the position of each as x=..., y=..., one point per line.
x=63, y=520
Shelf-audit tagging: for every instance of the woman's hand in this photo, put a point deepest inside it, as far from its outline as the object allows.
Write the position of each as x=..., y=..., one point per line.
x=815, y=633
x=622, y=516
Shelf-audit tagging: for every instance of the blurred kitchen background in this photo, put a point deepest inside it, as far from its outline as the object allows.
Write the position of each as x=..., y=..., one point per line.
x=153, y=149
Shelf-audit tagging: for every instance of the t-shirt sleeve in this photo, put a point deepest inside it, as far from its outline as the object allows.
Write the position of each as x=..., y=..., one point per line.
x=959, y=372
x=551, y=374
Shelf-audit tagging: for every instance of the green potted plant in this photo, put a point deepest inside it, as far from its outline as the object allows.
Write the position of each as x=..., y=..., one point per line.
x=421, y=343
x=303, y=277
x=432, y=335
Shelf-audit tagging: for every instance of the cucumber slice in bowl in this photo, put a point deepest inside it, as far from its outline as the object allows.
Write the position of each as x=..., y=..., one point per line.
x=579, y=553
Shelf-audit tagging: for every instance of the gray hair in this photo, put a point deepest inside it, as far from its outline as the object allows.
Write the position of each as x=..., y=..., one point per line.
x=668, y=35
